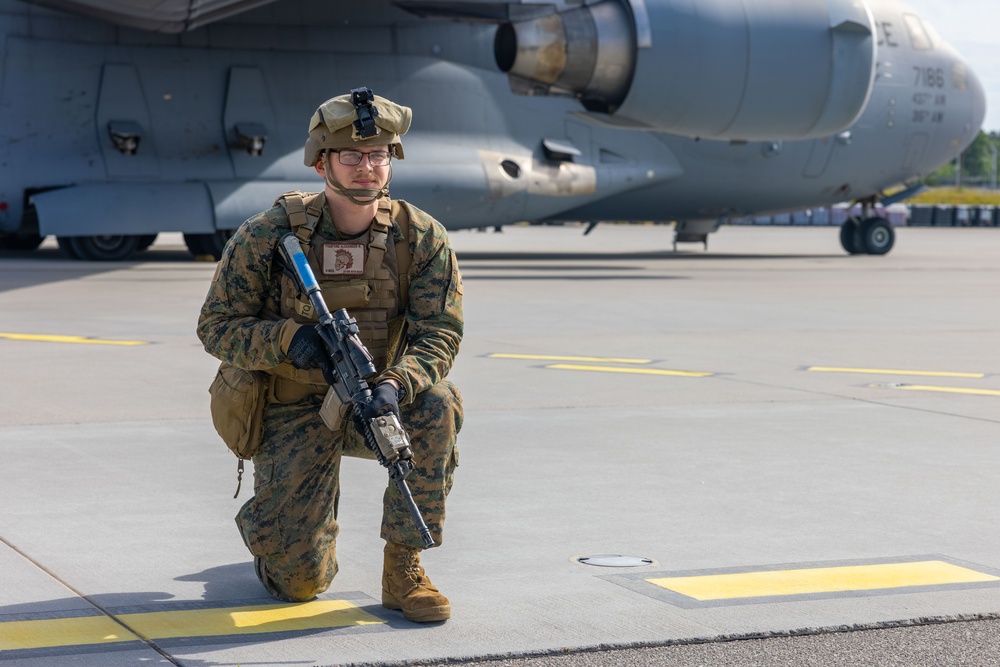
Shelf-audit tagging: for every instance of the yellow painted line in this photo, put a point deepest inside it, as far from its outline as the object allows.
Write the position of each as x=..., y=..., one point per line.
x=820, y=580
x=545, y=357
x=636, y=371
x=315, y=615
x=949, y=390
x=886, y=371
x=61, y=632
x=45, y=338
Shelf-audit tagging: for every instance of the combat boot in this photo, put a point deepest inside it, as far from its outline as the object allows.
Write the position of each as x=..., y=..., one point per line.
x=405, y=586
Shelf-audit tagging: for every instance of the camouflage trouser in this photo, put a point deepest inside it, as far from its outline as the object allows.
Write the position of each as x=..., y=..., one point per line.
x=290, y=525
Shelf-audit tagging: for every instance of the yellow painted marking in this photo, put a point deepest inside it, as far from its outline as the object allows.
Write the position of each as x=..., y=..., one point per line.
x=638, y=371
x=249, y=620
x=69, y=339
x=548, y=357
x=318, y=614
x=61, y=632
x=820, y=580
x=885, y=371
x=950, y=390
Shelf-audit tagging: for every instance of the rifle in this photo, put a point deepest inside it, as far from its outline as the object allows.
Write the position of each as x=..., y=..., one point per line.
x=352, y=367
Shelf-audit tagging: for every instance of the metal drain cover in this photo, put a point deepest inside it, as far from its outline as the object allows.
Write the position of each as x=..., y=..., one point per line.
x=612, y=560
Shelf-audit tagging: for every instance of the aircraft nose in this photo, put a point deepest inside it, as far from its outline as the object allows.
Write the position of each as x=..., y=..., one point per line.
x=966, y=101
x=977, y=97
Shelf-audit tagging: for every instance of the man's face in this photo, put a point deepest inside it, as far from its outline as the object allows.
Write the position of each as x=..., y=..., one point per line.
x=361, y=176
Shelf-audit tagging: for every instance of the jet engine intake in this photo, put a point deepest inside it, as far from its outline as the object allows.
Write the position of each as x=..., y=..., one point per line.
x=717, y=69
x=588, y=53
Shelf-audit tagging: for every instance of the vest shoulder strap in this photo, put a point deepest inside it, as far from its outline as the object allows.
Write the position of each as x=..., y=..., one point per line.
x=402, y=218
x=304, y=211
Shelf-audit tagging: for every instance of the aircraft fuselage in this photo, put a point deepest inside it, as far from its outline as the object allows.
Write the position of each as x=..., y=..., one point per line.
x=113, y=131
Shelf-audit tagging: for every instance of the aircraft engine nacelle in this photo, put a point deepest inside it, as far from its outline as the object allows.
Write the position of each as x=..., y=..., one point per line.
x=719, y=69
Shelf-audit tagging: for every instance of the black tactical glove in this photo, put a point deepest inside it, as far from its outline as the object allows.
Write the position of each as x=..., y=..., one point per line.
x=307, y=351
x=384, y=400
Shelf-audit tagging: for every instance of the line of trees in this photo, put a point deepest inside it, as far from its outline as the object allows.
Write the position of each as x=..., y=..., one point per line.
x=978, y=165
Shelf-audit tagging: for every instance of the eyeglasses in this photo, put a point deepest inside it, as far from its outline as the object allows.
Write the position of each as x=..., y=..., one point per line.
x=354, y=158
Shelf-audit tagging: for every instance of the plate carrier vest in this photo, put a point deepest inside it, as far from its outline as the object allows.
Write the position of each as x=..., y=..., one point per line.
x=377, y=299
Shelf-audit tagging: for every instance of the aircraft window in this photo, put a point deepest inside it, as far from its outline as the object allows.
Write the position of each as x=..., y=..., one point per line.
x=918, y=36
x=932, y=33
x=959, y=79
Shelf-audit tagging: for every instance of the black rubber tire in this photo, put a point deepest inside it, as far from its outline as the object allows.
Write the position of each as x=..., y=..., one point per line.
x=208, y=244
x=850, y=237
x=110, y=248
x=67, y=247
x=877, y=236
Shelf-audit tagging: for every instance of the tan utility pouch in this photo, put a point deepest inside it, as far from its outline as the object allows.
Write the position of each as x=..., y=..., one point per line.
x=348, y=294
x=238, y=398
x=332, y=411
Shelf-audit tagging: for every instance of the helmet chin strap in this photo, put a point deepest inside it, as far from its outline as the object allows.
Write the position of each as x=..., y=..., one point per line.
x=354, y=194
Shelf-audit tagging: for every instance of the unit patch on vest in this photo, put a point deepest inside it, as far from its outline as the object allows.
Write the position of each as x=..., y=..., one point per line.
x=343, y=259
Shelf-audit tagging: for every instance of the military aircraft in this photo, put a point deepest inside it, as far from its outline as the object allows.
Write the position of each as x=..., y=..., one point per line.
x=121, y=119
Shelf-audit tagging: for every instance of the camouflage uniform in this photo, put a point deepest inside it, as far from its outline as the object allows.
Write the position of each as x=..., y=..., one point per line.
x=290, y=524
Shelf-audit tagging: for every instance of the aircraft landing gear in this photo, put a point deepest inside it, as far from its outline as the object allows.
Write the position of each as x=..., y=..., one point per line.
x=877, y=236
x=109, y=248
x=850, y=236
x=871, y=236
x=205, y=245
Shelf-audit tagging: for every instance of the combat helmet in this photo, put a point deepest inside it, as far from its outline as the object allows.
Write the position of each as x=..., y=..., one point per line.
x=357, y=119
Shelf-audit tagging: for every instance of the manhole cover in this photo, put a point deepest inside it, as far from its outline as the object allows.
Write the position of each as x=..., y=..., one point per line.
x=615, y=561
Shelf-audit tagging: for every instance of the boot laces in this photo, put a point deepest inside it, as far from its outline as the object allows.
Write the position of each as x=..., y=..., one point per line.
x=409, y=563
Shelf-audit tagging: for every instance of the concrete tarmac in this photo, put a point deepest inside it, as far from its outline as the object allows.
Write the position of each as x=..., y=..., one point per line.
x=765, y=453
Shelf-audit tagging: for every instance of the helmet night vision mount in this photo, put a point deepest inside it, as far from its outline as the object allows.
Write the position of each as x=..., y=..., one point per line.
x=362, y=99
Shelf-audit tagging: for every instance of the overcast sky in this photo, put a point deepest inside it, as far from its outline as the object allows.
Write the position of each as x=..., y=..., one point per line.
x=973, y=28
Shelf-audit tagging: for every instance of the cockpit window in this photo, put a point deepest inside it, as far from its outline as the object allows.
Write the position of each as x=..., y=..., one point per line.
x=935, y=38
x=958, y=76
x=919, y=37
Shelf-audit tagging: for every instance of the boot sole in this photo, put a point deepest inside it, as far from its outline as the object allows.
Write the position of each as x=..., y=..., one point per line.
x=426, y=615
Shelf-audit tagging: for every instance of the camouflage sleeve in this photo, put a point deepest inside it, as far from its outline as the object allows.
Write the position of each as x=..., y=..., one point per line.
x=230, y=325
x=434, y=311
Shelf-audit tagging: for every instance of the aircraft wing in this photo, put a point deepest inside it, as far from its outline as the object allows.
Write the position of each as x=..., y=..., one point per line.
x=170, y=16
x=174, y=16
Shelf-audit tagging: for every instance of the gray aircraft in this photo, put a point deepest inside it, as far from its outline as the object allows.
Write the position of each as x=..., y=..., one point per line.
x=121, y=119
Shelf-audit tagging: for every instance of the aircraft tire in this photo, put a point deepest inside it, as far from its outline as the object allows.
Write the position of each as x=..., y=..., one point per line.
x=877, y=236
x=850, y=237
x=208, y=244
x=20, y=242
x=66, y=246
x=110, y=248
